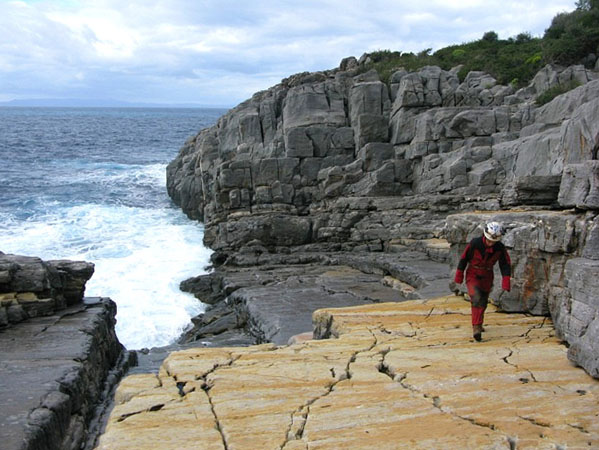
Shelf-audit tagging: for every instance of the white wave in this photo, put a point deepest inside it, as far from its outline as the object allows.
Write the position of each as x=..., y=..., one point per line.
x=140, y=254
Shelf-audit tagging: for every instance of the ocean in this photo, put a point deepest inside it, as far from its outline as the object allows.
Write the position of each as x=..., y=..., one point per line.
x=89, y=184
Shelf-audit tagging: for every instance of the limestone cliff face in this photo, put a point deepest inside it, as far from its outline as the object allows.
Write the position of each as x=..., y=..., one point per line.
x=340, y=161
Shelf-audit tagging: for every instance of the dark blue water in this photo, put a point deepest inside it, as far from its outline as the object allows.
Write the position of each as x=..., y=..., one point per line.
x=89, y=184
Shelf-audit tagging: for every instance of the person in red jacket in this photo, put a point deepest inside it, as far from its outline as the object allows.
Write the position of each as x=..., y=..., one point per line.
x=480, y=256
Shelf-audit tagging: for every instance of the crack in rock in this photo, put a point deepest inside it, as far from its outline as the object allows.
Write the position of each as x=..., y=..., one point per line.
x=215, y=367
x=435, y=400
x=526, y=335
x=206, y=388
x=517, y=367
x=430, y=312
x=154, y=408
x=579, y=428
x=535, y=422
x=62, y=316
x=300, y=416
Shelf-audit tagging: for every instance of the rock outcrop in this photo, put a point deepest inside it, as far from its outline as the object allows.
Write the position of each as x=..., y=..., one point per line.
x=272, y=297
x=342, y=162
x=30, y=287
x=399, y=375
x=59, y=355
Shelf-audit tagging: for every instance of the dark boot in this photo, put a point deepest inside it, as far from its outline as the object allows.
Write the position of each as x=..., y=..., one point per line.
x=477, y=332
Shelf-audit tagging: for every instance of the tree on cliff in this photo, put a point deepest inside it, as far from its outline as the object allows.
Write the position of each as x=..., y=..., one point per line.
x=571, y=37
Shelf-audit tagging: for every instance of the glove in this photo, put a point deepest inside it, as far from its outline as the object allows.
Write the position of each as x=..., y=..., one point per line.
x=505, y=283
x=459, y=276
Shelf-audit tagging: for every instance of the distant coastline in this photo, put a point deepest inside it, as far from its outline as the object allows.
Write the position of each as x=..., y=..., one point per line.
x=99, y=103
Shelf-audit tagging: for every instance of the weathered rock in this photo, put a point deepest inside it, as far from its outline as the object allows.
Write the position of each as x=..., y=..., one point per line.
x=30, y=287
x=323, y=161
x=577, y=317
x=532, y=190
x=319, y=104
x=580, y=186
x=273, y=297
x=551, y=76
x=399, y=376
x=56, y=371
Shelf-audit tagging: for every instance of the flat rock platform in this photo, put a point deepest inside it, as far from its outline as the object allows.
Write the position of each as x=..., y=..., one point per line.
x=389, y=376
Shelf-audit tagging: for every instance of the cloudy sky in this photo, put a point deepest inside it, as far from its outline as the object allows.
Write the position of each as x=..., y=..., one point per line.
x=219, y=52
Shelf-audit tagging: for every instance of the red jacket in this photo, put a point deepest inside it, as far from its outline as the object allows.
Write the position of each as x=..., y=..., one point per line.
x=480, y=260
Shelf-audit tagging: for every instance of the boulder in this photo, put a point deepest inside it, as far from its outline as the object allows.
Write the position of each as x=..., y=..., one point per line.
x=37, y=288
x=580, y=186
x=577, y=317
x=313, y=104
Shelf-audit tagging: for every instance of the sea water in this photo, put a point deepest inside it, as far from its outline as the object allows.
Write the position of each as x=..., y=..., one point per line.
x=89, y=184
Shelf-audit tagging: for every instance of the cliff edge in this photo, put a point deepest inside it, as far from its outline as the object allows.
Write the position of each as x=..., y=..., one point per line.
x=340, y=163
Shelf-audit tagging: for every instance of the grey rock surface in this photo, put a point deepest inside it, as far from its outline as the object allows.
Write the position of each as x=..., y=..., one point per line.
x=580, y=186
x=272, y=296
x=30, y=287
x=56, y=372
x=577, y=318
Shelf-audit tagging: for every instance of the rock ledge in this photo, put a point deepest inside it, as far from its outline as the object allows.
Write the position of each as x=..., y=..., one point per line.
x=399, y=375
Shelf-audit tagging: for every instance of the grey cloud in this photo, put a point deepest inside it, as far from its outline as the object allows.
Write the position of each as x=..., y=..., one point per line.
x=193, y=50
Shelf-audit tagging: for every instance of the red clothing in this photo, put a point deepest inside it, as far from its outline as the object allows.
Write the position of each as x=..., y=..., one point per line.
x=480, y=259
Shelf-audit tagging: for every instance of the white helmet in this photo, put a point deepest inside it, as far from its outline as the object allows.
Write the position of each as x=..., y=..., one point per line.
x=493, y=231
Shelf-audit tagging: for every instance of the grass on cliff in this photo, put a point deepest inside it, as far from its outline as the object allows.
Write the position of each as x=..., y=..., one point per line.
x=570, y=38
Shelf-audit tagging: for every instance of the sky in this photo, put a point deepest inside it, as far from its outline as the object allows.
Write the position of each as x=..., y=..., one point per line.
x=220, y=52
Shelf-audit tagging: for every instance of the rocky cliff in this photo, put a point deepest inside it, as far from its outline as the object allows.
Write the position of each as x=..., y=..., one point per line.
x=59, y=355
x=339, y=162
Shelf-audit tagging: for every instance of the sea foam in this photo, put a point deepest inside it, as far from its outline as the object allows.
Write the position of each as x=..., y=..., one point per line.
x=141, y=255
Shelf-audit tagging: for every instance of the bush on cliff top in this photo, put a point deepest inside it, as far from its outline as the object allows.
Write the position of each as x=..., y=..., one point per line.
x=568, y=40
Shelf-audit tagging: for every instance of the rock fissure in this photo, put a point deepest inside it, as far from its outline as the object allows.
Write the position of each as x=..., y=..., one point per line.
x=536, y=421
x=437, y=403
x=215, y=367
x=579, y=428
x=153, y=408
x=206, y=388
x=62, y=316
x=517, y=367
x=302, y=413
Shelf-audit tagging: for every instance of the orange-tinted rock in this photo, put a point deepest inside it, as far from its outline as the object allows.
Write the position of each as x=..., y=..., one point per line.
x=403, y=375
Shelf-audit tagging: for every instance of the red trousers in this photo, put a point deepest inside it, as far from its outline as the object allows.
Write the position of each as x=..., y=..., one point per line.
x=479, y=300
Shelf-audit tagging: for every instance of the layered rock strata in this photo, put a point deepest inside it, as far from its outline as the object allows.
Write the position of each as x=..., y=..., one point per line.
x=401, y=375
x=59, y=356
x=272, y=297
x=340, y=161
x=30, y=287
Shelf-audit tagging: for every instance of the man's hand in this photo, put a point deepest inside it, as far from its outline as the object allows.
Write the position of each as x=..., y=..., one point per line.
x=453, y=287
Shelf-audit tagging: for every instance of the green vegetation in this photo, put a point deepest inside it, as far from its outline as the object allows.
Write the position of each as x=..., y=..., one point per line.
x=553, y=92
x=568, y=40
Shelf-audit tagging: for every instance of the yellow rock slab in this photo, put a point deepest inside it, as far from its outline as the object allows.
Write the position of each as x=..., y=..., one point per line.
x=401, y=375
